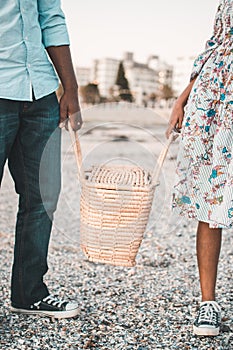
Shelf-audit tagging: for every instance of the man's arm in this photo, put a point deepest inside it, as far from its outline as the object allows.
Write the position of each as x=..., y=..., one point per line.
x=56, y=41
x=69, y=103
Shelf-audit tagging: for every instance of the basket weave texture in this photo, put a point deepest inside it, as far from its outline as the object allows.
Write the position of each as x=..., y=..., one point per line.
x=115, y=206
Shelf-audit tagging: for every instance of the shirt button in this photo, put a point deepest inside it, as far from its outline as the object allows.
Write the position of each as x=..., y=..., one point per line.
x=26, y=38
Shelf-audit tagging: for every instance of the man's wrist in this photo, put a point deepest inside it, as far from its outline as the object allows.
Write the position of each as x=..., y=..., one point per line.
x=71, y=89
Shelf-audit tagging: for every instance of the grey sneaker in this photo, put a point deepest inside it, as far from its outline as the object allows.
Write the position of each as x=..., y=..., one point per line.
x=49, y=306
x=208, y=319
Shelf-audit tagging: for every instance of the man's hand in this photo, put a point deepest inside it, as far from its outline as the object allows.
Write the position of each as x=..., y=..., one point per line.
x=69, y=103
x=70, y=108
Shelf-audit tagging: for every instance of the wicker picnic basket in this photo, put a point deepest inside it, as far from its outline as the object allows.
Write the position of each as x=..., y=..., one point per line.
x=114, y=208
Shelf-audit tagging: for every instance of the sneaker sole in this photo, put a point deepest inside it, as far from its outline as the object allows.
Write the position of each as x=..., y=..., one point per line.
x=205, y=331
x=53, y=314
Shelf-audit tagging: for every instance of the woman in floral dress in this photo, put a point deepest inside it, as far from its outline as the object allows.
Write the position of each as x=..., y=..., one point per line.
x=204, y=178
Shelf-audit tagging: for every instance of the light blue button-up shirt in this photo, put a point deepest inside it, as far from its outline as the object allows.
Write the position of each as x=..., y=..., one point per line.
x=27, y=27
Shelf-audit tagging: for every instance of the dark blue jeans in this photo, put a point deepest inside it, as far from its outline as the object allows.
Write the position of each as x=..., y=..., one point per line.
x=31, y=140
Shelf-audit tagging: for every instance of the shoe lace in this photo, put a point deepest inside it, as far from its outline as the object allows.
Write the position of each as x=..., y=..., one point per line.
x=54, y=301
x=208, y=313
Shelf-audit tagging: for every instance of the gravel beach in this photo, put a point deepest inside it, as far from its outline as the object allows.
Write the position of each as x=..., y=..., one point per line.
x=150, y=306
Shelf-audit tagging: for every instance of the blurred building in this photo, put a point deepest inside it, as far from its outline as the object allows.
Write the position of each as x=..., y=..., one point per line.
x=142, y=77
x=148, y=79
x=145, y=79
x=83, y=75
x=165, y=74
x=104, y=73
x=182, y=71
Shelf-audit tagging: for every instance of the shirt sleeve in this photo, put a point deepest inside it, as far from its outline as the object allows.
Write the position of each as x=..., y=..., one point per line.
x=215, y=40
x=52, y=23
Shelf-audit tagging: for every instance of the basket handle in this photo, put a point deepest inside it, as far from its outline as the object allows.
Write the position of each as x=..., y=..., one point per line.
x=157, y=170
x=162, y=157
x=77, y=149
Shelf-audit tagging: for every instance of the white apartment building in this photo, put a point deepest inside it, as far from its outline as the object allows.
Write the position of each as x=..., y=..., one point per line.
x=104, y=73
x=165, y=74
x=83, y=75
x=144, y=78
x=147, y=79
x=182, y=71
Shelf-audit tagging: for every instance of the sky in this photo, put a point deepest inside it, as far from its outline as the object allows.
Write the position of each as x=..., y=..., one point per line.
x=167, y=28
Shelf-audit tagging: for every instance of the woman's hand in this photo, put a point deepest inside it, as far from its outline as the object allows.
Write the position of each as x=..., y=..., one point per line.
x=177, y=114
x=176, y=118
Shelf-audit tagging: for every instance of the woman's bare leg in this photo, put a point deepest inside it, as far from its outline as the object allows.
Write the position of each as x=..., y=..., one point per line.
x=208, y=249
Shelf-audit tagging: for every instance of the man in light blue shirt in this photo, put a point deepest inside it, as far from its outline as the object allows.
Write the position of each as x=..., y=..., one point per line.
x=34, y=40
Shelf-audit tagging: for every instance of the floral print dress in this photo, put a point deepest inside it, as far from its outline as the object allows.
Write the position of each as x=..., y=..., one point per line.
x=203, y=187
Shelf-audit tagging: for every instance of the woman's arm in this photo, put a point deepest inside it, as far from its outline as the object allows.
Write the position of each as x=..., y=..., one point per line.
x=177, y=113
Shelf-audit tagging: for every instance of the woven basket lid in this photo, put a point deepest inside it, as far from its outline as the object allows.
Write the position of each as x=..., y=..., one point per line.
x=118, y=176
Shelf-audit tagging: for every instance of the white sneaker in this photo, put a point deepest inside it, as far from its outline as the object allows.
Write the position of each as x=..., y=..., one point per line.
x=49, y=306
x=208, y=319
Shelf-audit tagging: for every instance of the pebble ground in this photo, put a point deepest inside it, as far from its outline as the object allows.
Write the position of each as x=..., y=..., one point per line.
x=150, y=306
